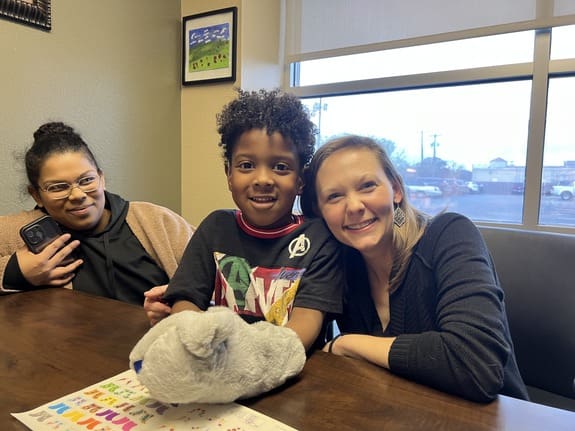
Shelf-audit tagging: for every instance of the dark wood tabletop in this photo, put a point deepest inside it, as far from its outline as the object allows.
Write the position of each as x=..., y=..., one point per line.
x=54, y=342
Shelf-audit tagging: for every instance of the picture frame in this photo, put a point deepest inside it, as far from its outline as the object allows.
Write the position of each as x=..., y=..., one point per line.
x=209, y=43
x=36, y=13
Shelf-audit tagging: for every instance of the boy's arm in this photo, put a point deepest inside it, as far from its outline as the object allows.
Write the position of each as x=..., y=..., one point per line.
x=307, y=324
x=184, y=305
x=193, y=281
x=156, y=309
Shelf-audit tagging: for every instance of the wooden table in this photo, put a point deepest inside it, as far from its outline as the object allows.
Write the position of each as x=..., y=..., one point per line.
x=55, y=341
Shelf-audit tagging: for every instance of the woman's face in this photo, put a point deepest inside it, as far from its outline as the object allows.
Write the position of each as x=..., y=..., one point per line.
x=356, y=198
x=79, y=211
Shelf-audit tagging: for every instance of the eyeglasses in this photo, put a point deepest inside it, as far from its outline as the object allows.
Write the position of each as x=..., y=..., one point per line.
x=87, y=184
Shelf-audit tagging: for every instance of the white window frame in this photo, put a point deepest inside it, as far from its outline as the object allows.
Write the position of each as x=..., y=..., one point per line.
x=539, y=71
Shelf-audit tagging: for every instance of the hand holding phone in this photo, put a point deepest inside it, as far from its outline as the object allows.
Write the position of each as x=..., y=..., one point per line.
x=41, y=266
x=39, y=233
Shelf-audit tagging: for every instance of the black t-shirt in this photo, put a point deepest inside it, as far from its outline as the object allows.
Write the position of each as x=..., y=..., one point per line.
x=260, y=274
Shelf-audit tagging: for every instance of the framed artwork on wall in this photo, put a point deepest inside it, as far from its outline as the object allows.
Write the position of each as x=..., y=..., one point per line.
x=209, y=47
x=36, y=13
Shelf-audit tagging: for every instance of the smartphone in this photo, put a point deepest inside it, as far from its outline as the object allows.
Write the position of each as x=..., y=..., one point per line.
x=39, y=233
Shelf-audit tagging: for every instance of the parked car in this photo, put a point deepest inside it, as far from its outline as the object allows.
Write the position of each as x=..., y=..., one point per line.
x=546, y=189
x=473, y=187
x=448, y=186
x=565, y=192
x=418, y=188
x=518, y=189
x=461, y=187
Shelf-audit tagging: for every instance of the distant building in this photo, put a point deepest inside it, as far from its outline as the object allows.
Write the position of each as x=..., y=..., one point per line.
x=500, y=177
x=498, y=163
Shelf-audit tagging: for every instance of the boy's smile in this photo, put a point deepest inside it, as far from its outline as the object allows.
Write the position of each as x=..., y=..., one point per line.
x=263, y=177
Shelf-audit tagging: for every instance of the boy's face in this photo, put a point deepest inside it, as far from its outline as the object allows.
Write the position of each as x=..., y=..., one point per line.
x=263, y=177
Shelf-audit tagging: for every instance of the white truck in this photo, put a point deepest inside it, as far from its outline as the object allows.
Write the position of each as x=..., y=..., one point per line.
x=565, y=191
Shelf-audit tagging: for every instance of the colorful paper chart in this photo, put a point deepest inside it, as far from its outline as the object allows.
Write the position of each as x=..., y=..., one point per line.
x=121, y=403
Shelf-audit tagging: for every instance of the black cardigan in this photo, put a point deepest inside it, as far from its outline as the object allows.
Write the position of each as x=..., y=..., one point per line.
x=448, y=315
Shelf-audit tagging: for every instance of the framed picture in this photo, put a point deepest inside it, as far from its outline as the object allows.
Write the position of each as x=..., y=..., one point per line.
x=209, y=47
x=36, y=13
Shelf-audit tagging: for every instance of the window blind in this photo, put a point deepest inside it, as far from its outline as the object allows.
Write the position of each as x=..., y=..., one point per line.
x=319, y=28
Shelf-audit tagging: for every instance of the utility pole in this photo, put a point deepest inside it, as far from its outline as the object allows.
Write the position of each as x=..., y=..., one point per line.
x=421, y=145
x=434, y=145
x=317, y=108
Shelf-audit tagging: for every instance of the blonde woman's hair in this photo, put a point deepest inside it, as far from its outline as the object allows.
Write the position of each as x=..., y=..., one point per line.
x=404, y=237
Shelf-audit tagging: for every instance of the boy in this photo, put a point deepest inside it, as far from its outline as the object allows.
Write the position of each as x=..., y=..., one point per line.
x=267, y=263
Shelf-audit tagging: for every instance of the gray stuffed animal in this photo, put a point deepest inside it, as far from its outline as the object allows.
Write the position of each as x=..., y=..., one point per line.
x=215, y=357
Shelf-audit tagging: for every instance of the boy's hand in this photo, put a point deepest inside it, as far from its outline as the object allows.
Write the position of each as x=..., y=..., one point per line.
x=47, y=268
x=155, y=309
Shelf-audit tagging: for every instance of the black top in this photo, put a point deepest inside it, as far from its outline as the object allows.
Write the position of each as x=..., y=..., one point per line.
x=260, y=274
x=448, y=314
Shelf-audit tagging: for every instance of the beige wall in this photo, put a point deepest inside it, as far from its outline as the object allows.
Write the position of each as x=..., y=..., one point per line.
x=204, y=186
x=111, y=69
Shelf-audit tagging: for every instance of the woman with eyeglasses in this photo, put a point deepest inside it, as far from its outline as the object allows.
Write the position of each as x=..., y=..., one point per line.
x=109, y=247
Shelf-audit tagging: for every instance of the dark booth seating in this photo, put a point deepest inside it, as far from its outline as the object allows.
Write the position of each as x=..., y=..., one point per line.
x=537, y=274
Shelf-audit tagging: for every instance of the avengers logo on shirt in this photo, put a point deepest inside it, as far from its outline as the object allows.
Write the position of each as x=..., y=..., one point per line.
x=258, y=292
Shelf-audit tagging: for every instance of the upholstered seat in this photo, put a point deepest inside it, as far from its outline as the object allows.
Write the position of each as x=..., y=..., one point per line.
x=537, y=274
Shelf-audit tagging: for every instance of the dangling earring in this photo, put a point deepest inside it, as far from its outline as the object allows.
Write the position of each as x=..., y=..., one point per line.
x=398, y=215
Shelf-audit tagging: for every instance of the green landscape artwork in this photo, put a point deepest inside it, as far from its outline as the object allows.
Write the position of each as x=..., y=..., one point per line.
x=209, y=48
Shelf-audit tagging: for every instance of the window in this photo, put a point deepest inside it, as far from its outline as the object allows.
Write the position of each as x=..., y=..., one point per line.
x=562, y=46
x=558, y=186
x=489, y=120
x=444, y=136
x=510, y=48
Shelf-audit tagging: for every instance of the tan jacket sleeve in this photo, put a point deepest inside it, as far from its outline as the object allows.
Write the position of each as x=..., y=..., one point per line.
x=163, y=233
x=10, y=240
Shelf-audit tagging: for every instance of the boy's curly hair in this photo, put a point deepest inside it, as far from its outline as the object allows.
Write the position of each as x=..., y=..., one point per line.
x=272, y=110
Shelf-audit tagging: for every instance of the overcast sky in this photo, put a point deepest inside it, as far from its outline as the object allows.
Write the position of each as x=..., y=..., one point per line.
x=472, y=124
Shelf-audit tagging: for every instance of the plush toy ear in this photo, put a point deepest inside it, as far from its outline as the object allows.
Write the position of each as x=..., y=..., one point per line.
x=204, y=337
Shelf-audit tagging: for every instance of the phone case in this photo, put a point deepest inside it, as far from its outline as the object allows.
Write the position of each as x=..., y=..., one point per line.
x=39, y=233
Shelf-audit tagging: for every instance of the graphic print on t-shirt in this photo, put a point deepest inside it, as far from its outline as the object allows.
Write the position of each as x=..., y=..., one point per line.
x=258, y=292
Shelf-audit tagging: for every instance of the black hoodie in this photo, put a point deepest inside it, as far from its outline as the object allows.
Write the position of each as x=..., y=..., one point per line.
x=115, y=263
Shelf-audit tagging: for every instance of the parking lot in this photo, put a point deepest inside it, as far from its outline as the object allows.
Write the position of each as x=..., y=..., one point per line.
x=500, y=207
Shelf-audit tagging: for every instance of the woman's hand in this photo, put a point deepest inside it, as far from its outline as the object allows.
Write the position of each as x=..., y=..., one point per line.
x=49, y=267
x=155, y=309
x=330, y=345
x=370, y=348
